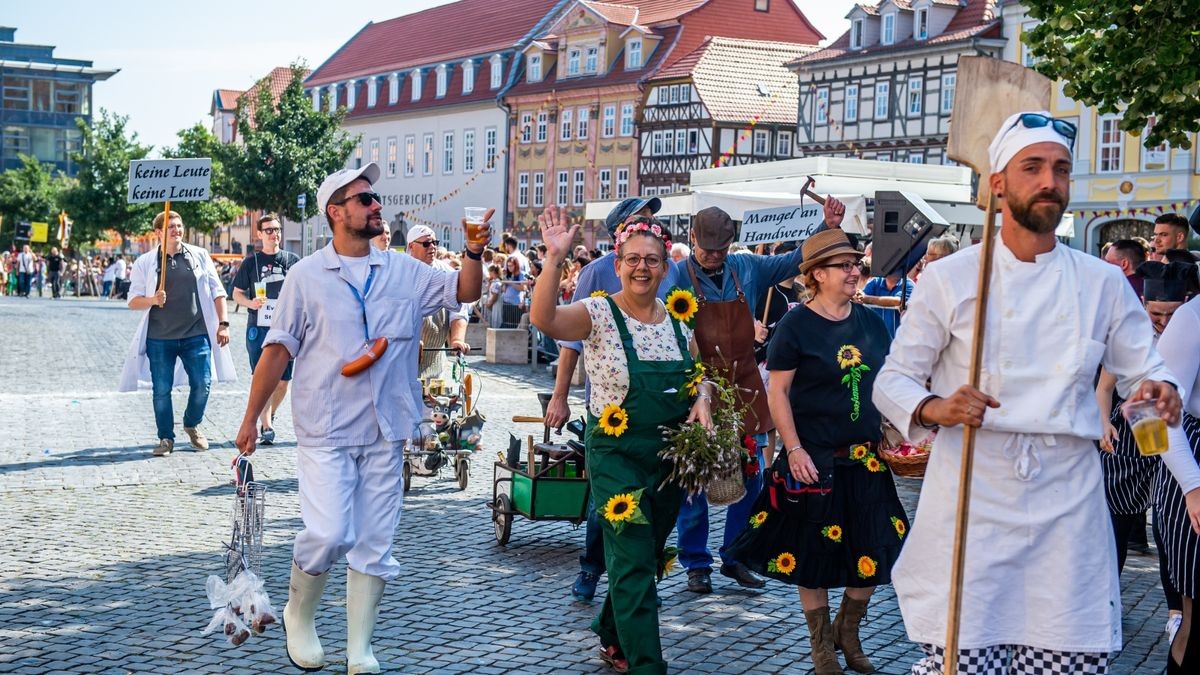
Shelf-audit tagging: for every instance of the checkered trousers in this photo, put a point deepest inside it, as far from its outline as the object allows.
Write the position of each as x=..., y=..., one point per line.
x=1014, y=660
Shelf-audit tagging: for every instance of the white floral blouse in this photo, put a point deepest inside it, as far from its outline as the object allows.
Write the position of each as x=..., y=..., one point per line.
x=604, y=358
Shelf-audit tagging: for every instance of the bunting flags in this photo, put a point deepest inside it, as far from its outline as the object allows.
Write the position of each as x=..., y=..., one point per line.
x=1147, y=211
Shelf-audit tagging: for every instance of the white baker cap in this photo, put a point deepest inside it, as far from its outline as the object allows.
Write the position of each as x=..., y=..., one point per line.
x=1014, y=137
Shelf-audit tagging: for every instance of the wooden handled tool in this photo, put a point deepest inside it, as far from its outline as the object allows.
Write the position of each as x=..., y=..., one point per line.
x=526, y=418
x=988, y=91
x=807, y=191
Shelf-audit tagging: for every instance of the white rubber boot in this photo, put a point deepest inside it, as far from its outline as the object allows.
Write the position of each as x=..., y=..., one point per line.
x=363, y=593
x=304, y=595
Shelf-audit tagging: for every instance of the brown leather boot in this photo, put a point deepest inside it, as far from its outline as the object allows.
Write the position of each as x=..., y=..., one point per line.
x=820, y=631
x=845, y=634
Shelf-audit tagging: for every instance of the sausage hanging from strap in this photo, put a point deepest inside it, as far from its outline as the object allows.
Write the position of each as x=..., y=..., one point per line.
x=368, y=359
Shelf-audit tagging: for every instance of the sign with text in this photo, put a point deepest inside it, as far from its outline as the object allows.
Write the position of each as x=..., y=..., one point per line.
x=169, y=180
x=787, y=223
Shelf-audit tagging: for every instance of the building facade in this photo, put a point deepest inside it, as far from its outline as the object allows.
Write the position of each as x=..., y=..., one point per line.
x=41, y=97
x=427, y=109
x=884, y=89
x=1118, y=185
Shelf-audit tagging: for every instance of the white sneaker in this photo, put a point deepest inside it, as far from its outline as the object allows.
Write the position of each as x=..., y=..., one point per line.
x=1174, y=619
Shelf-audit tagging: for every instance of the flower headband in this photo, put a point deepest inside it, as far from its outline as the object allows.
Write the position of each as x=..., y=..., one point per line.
x=641, y=224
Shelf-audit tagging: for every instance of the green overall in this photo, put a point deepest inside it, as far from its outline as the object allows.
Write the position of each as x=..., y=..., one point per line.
x=623, y=464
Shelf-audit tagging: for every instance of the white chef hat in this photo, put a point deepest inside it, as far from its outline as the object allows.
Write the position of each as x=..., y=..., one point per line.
x=1014, y=137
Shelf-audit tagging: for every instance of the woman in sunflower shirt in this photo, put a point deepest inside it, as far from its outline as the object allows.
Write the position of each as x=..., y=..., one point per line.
x=638, y=359
x=830, y=517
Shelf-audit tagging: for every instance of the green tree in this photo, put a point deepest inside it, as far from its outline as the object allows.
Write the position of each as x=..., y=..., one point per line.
x=205, y=216
x=98, y=201
x=1139, y=58
x=286, y=149
x=30, y=193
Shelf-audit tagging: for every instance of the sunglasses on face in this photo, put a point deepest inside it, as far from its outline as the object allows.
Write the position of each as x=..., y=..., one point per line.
x=1037, y=120
x=364, y=198
x=428, y=243
x=633, y=260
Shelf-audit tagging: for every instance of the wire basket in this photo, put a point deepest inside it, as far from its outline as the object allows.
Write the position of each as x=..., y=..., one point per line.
x=245, y=548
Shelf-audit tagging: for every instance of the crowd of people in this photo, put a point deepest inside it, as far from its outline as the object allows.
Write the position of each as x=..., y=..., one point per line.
x=821, y=356
x=26, y=272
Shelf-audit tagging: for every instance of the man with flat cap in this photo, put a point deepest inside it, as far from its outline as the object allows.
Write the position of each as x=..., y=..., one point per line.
x=1040, y=587
x=600, y=275
x=728, y=288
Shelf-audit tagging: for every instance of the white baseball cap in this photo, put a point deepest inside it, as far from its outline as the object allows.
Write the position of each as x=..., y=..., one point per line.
x=340, y=179
x=416, y=232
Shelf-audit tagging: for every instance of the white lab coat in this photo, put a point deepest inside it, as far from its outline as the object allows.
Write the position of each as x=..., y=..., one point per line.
x=1040, y=564
x=143, y=281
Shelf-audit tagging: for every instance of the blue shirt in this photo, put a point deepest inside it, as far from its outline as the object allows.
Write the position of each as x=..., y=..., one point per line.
x=756, y=273
x=512, y=292
x=877, y=287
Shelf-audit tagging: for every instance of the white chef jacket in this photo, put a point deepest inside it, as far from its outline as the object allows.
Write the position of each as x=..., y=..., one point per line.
x=143, y=281
x=1180, y=348
x=320, y=321
x=1040, y=565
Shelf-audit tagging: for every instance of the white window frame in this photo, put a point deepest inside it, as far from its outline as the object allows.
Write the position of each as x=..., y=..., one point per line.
x=577, y=191
x=526, y=130
x=543, y=121
x=427, y=155
x=822, y=116
x=393, y=148
x=574, y=57
x=604, y=184
x=633, y=54
x=591, y=56
x=410, y=155
x=496, y=76
x=393, y=88
x=468, y=151
x=674, y=94
x=441, y=81
x=856, y=34
x=655, y=143
x=564, y=188
x=622, y=190
x=626, y=119
x=581, y=124
x=539, y=189
x=681, y=141
x=609, y=127
x=489, y=149
x=916, y=158
x=468, y=69
x=693, y=147
x=1163, y=148
x=887, y=33
x=921, y=24
x=523, y=190
x=685, y=93
x=783, y=144
x=373, y=155
x=372, y=91
x=916, y=95
x=1110, y=141
x=566, y=124
x=762, y=143
x=447, y=152
x=850, y=104
x=949, y=81
x=416, y=84
x=883, y=92
x=533, y=68
x=664, y=95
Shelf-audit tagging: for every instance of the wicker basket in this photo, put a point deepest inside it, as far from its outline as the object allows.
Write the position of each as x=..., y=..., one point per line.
x=725, y=490
x=911, y=466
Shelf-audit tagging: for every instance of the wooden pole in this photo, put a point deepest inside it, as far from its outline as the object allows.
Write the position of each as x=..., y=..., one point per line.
x=162, y=272
x=954, y=616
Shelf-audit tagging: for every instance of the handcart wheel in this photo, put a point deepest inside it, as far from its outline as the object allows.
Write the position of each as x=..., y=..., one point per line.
x=502, y=518
x=463, y=473
x=407, y=473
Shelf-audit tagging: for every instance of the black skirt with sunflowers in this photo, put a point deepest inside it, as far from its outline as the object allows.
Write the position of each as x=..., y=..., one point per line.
x=844, y=531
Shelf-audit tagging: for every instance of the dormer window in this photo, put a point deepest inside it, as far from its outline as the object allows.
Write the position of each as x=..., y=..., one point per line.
x=468, y=77
x=416, y=85
x=372, y=91
x=351, y=94
x=535, y=68
x=889, y=29
x=573, y=62
x=921, y=24
x=633, y=54
x=856, y=34
x=497, y=73
x=393, y=88
x=441, y=80
x=590, y=58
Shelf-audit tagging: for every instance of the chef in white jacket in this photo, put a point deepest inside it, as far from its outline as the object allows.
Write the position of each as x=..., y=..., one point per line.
x=1040, y=588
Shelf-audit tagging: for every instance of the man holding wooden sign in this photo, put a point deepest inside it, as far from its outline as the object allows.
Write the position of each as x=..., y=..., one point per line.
x=1039, y=589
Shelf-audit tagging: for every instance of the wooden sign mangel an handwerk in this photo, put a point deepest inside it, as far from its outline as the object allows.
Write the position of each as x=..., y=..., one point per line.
x=988, y=91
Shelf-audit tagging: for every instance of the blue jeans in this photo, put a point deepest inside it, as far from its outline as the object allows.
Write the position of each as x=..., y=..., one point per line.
x=194, y=352
x=592, y=560
x=693, y=522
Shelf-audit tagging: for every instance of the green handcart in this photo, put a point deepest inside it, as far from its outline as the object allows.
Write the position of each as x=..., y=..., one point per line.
x=549, y=483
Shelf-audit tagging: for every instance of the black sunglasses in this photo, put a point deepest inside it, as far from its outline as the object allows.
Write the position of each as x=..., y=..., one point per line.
x=1037, y=120
x=364, y=198
x=431, y=242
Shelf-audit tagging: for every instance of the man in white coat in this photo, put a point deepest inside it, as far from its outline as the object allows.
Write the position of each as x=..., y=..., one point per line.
x=350, y=315
x=184, y=336
x=1040, y=587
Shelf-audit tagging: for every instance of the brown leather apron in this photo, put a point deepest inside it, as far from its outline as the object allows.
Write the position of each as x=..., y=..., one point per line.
x=725, y=334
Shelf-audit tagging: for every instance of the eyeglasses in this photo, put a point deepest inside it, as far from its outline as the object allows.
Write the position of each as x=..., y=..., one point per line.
x=633, y=260
x=271, y=230
x=846, y=267
x=430, y=242
x=364, y=198
x=1037, y=120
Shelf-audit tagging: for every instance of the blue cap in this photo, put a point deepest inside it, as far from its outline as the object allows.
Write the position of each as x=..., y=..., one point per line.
x=627, y=208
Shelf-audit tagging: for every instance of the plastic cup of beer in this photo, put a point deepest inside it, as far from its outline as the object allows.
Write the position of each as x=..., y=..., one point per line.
x=474, y=217
x=1149, y=429
x=260, y=290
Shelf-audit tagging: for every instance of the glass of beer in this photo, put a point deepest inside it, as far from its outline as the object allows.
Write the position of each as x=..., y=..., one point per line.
x=260, y=290
x=474, y=215
x=1149, y=429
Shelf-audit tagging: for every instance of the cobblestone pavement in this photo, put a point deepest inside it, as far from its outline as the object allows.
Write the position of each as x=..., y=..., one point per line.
x=107, y=549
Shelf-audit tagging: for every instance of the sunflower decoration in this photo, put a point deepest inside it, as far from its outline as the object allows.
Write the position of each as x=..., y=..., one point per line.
x=901, y=528
x=874, y=465
x=832, y=533
x=695, y=375
x=614, y=420
x=784, y=563
x=848, y=356
x=866, y=567
x=599, y=294
x=623, y=509
x=858, y=452
x=682, y=306
x=758, y=519
x=668, y=561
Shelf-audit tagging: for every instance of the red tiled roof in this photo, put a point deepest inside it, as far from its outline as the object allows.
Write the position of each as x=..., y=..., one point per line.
x=275, y=82
x=226, y=99
x=622, y=15
x=445, y=33
x=727, y=73
x=618, y=74
x=977, y=18
x=657, y=11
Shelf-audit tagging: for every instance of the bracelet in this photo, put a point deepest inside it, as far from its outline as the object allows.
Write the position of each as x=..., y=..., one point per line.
x=917, y=414
x=223, y=324
x=473, y=256
x=704, y=397
x=794, y=447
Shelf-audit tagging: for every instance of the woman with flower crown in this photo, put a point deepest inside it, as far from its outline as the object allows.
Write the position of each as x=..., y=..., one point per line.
x=828, y=516
x=639, y=356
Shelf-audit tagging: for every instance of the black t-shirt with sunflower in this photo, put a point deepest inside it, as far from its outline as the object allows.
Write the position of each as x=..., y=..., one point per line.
x=835, y=363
